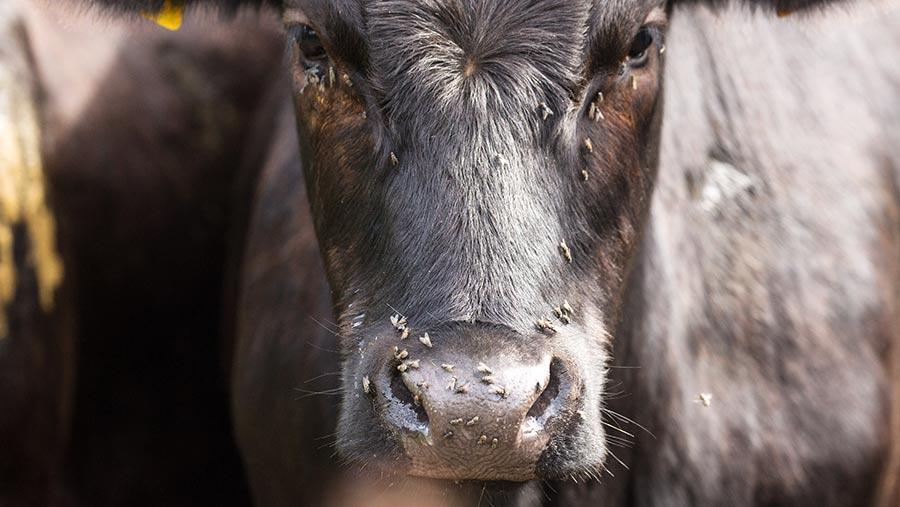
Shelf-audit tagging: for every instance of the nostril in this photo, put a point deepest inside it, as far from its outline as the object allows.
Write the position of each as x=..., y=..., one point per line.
x=409, y=401
x=549, y=402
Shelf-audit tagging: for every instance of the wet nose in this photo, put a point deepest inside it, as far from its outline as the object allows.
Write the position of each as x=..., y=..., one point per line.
x=467, y=411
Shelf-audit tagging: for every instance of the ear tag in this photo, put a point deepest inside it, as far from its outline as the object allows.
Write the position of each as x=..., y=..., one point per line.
x=169, y=17
x=783, y=13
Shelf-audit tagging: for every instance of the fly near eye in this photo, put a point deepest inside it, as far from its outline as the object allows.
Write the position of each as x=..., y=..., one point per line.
x=637, y=53
x=308, y=42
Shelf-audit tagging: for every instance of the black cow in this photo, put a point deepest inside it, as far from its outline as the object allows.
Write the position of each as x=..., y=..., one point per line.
x=121, y=146
x=579, y=253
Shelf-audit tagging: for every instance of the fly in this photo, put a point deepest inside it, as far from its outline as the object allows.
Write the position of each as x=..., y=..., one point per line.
x=546, y=112
x=564, y=250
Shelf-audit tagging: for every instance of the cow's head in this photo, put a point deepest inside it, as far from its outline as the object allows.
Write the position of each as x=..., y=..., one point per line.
x=479, y=172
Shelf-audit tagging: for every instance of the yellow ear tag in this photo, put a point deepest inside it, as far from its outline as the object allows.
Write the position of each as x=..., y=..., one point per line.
x=169, y=17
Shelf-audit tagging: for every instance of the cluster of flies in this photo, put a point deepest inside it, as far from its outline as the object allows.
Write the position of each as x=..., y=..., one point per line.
x=487, y=377
x=563, y=313
x=321, y=80
x=404, y=364
x=595, y=114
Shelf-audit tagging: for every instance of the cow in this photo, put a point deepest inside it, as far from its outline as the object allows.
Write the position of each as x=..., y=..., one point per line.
x=575, y=253
x=36, y=335
x=121, y=147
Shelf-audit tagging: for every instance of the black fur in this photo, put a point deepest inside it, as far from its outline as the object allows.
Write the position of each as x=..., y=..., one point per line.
x=670, y=276
x=731, y=238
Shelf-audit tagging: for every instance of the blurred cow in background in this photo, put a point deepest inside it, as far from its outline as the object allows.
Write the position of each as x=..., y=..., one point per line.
x=36, y=331
x=121, y=148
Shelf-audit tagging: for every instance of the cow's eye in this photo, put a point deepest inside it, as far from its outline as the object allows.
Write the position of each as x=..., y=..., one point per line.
x=308, y=42
x=640, y=47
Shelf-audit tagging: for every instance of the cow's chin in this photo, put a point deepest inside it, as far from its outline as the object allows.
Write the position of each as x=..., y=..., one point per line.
x=578, y=457
x=414, y=491
x=384, y=483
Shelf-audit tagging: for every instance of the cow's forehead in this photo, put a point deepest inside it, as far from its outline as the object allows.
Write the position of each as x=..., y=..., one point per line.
x=442, y=53
x=356, y=14
x=494, y=56
x=469, y=63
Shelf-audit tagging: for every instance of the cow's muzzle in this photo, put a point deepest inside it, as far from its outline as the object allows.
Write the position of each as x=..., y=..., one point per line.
x=473, y=401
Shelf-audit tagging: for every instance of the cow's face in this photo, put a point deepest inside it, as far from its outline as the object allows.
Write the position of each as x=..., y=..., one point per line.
x=479, y=173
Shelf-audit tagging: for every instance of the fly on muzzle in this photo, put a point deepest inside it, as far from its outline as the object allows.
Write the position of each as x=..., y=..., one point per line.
x=472, y=401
